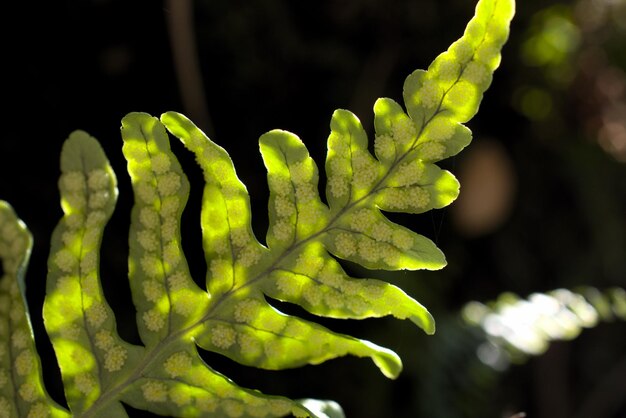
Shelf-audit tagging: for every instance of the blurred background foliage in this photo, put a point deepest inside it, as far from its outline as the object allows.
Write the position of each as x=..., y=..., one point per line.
x=542, y=208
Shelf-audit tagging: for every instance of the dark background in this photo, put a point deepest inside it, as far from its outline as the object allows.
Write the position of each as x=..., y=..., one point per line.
x=544, y=184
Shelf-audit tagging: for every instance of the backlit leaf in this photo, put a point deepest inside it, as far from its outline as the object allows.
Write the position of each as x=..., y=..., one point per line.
x=21, y=384
x=307, y=240
x=80, y=323
x=166, y=297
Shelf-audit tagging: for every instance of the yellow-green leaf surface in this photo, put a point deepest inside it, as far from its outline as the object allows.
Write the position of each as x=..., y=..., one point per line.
x=165, y=296
x=232, y=252
x=317, y=282
x=301, y=262
x=172, y=311
x=439, y=100
x=81, y=325
x=239, y=323
x=295, y=209
x=21, y=384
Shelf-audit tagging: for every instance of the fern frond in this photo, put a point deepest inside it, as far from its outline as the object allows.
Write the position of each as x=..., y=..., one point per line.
x=92, y=356
x=21, y=384
x=166, y=374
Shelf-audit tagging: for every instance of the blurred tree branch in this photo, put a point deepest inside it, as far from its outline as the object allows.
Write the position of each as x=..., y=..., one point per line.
x=180, y=25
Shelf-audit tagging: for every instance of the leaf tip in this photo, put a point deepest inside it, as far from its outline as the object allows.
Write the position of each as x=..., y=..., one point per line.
x=386, y=360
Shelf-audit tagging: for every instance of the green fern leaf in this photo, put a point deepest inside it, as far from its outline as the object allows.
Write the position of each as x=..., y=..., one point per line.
x=260, y=335
x=173, y=313
x=175, y=317
x=21, y=384
x=166, y=297
x=81, y=325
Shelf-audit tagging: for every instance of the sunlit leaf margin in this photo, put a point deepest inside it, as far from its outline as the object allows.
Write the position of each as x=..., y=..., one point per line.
x=166, y=375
